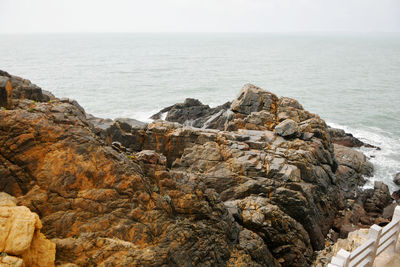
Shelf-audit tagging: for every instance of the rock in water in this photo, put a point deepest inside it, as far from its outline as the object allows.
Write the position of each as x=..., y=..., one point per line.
x=342, y=138
x=396, y=178
x=286, y=128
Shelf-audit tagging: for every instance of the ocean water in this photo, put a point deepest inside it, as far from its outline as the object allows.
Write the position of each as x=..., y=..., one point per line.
x=351, y=80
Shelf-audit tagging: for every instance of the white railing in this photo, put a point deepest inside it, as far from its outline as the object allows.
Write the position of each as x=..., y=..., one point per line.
x=379, y=240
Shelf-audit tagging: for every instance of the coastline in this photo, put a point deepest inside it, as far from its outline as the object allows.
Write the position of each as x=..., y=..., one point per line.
x=261, y=177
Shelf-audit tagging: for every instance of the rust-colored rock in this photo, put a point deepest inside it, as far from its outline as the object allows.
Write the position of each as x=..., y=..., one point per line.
x=100, y=207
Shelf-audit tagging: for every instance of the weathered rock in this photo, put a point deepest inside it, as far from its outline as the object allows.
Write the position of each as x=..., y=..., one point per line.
x=192, y=112
x=354, y=160
x=379, y=199
x=17, y=227
x=286, y=128
x=5, y=92
x=123, y=193
x=396, y=195
x=253, y=99
x=6, y=200
x=396, y=178
x=20, y=236
x=4, y=73
x=129, y=124
x=11, y=261
x=355, y=239
x=24, y=89
x=289, y=241
x=101, y=207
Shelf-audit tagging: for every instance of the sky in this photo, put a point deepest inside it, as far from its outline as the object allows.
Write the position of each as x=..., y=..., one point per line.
x=53, y=16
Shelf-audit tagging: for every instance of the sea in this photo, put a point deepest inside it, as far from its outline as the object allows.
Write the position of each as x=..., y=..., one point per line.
x=352, y=80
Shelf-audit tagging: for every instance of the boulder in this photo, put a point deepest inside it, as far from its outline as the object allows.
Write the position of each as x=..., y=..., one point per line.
x=396, y=178
x=289, y=242
x=20, y=236
x=378, y=198
x=18, y=225
x=252, y=99
x=354, y=160
x=193, y=112
x=286, y=128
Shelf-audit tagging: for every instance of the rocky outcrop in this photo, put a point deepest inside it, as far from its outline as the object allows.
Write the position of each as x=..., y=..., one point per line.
x=295, y=175
x=273, y=149
x=238, y=192
x=21, y=242
x=103, y=207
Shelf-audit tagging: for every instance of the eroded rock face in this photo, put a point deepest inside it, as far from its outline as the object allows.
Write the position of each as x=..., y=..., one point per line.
x=295, y=175
x=104, y=207
x=298, y=172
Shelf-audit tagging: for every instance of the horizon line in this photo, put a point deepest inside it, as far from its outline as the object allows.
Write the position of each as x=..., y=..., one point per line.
x=203, y=32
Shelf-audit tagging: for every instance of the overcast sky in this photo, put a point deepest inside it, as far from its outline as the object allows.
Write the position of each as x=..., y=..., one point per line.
x=31, y=16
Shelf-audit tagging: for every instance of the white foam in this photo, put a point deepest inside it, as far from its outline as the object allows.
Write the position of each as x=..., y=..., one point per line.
x=386, y=161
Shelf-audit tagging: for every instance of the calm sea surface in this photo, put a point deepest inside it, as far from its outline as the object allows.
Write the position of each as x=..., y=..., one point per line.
x=351, y=81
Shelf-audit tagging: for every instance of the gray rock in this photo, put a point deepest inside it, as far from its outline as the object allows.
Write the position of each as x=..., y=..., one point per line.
x=131, y=123
x=287, y=127
x=193, y=113
x=353, y=159
x=252, y=98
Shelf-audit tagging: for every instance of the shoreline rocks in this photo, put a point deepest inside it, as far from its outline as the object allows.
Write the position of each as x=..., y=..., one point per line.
x=257, y=182
x=340, y=137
